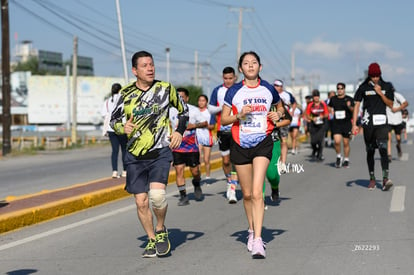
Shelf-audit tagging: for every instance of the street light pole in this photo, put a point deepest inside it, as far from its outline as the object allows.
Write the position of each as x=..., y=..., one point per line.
x=209, y=65
x=121, y=36
x=167, y=51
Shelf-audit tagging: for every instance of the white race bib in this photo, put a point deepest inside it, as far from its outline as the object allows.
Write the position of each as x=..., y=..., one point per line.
x=254, y=124
x=379, y=119
x=340, y=114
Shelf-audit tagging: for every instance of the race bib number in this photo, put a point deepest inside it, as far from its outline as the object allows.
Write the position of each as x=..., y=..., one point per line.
x=254, y=124
x=379, y=119
x=319, y=120
x=340, y=114
x=295, y=121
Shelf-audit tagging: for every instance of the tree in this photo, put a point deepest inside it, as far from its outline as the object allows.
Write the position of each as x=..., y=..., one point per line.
x=195, y=91
x=32, y=65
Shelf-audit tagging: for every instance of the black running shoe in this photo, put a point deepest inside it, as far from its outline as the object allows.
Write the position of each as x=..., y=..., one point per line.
x=162, y=243
x=275, y=194
x=399, y=150
x=345, y=164
x=149, y=251
x=183, y=201
x=198, y=193
x=338, y=162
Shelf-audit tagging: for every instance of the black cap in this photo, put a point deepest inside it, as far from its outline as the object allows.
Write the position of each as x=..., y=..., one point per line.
x=315, y=92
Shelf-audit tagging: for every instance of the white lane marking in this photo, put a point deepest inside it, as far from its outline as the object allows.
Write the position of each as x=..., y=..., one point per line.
x=404, y=157
x=70, y=226
x=398, y=199
x=64, y=228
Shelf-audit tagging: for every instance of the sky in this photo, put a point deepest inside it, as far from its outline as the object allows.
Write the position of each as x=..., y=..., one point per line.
x=331, y=41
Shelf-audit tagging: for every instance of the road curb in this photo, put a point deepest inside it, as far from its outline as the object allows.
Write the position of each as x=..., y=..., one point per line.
x=29, y=216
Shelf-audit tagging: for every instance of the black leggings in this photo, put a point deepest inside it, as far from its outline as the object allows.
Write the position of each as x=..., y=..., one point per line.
x=317, y=135
x=376, y=138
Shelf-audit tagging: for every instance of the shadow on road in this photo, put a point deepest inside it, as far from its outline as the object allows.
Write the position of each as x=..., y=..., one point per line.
x=268, y=235
x=363, y=183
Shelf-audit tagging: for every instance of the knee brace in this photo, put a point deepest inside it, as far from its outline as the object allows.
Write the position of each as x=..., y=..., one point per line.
x=157, y=198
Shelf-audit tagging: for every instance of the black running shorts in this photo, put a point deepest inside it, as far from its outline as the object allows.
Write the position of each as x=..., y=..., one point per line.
x=240, y=156
x=141, y=172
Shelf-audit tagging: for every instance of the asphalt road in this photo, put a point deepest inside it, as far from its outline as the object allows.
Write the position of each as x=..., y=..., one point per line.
x=48, y=170
x=327, y=222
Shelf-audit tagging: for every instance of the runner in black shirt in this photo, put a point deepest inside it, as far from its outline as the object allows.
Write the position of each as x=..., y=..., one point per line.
x=341, y=106
x=376, y=94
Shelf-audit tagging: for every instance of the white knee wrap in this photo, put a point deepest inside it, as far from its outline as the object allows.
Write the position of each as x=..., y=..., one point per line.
x=157, y=198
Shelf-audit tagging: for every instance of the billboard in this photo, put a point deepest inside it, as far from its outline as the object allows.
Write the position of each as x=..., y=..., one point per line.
x=49, y=98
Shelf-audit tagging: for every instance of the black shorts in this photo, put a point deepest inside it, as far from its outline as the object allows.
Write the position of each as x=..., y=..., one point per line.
x=240, y=156
x=142, y=171
x=191, y=159
x=374, y=135
x=224, y=140
x=291, y=128
x=397, y=128
x=342, y=129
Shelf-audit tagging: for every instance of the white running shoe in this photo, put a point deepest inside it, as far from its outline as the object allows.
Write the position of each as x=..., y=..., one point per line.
x=115, y=174
x=123, y=174
x=281, y=167
x=228, y=190
x=232, y=196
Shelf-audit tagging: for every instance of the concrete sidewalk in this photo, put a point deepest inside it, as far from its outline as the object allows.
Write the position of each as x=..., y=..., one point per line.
x=17, y=212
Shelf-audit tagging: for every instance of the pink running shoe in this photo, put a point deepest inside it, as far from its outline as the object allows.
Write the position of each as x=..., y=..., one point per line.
x=250, y=240
x=258, y=249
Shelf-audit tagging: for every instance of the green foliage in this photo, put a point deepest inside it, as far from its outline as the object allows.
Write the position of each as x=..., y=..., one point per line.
x=30, y=65
x=195, y=91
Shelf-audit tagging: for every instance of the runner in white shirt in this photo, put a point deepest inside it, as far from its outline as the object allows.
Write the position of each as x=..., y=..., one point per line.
x=187, y=154
x=223, y=131
x=395, y=122
x=204, y=135
x=294, y=128
x=290, y=104
x=247, y=106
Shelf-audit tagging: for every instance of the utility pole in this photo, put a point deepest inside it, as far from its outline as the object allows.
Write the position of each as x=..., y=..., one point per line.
x=121, y=36
x=196, y=68
x=240, y=10
x=68, y=96
x=75, y=85
x=5, y=54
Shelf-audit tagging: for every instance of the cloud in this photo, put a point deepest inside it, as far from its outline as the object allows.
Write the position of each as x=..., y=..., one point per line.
x=321, y=48
x=332, y=50
x=370, y=48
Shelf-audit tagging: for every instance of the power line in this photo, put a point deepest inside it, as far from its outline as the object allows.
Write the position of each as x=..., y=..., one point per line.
x=52, y=25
